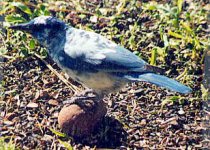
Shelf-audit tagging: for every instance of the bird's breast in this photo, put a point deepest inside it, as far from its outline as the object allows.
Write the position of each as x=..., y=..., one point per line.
x=97, y=81
x=101, y=82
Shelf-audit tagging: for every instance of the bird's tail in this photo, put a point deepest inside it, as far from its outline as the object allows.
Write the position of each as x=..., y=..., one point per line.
x=160, y=80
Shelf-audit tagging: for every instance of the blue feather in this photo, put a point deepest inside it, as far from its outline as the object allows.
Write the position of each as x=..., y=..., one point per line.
x=160, y=80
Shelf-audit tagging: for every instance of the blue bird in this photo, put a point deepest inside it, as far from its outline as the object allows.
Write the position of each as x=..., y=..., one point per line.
x=93, y=60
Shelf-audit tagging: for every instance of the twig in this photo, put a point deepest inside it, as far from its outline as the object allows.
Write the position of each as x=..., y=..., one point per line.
x=181, y=75
x=71, y=86
x=6, y=56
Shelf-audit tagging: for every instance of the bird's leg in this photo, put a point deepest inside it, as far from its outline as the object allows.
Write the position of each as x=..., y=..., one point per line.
x=84, y=98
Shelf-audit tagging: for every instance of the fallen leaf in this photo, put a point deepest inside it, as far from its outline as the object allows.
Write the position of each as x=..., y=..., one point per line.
x=10, y=116
x=53, y=102
x=32, y=105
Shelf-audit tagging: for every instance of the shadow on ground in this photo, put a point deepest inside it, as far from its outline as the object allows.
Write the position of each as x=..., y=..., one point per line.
x=109, y=133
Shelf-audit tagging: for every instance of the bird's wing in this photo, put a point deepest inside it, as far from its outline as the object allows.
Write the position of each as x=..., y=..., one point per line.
x=100, y=52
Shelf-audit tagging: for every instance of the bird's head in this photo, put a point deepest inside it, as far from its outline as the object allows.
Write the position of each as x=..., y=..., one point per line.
x=42, y=28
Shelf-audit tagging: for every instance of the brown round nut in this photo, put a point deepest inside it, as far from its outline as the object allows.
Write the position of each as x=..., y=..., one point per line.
x=78, y=121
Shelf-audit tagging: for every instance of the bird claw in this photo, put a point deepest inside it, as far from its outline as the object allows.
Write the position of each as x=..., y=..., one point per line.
x=86, y=93
x=85, y=99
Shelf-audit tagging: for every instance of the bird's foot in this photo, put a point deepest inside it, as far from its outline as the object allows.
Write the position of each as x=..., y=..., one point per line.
x=85, y=99
x=86, y=93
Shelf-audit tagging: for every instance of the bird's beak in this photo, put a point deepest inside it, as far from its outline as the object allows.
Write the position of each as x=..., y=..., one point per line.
x=22, y=27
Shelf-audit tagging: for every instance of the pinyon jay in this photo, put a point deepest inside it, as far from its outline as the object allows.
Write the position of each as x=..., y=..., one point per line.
x=93, y=60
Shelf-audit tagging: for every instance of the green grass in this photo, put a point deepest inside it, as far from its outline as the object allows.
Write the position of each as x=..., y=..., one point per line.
x=6, y=145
